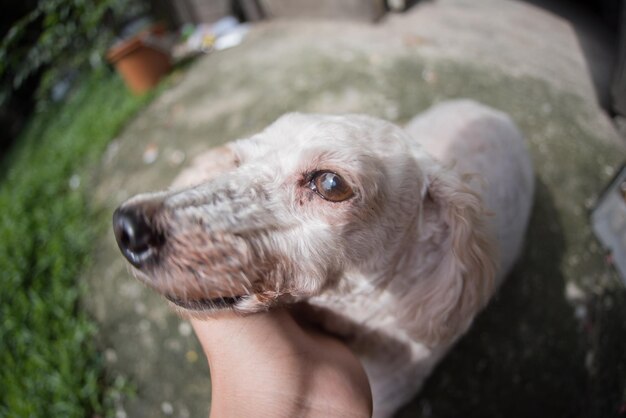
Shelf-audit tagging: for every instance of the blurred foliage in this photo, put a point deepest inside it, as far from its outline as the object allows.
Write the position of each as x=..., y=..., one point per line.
x=58, y=37
x=50, y=365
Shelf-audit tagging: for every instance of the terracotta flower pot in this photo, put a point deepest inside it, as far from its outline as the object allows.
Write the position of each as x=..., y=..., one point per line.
x=139, y=61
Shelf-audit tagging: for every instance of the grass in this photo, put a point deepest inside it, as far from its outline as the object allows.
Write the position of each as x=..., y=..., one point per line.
x=50, y=365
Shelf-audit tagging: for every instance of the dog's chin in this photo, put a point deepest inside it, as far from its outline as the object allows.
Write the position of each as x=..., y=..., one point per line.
x=205, y=305
x=211, y=308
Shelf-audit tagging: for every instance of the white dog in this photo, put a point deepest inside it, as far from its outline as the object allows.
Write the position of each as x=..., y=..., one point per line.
x=382, y=232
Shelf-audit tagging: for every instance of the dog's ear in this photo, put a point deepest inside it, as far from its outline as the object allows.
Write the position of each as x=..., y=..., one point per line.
x=464, y=278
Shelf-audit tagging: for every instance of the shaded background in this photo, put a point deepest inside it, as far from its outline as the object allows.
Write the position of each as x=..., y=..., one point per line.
x=79, y=337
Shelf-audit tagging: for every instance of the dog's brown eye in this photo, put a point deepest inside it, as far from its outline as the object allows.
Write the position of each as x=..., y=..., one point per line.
x=331, y=186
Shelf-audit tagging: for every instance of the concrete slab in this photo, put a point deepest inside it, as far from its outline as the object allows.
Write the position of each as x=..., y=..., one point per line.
x=550, y=345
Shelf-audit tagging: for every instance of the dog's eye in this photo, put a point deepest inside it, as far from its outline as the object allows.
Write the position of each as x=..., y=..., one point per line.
x=330, y=186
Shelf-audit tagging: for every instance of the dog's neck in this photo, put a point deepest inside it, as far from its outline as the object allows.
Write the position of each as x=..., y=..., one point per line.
x=372, y=294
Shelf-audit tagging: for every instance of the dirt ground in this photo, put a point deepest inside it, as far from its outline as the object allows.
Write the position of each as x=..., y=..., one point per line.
x=552, y=343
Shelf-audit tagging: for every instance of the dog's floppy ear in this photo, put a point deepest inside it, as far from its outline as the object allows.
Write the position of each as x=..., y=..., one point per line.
x=463, y=280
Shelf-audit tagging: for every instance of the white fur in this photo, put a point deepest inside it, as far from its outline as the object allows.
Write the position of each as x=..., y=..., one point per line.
x=398, y=271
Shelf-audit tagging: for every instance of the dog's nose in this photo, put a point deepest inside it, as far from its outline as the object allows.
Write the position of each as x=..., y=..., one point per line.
x=137, y=239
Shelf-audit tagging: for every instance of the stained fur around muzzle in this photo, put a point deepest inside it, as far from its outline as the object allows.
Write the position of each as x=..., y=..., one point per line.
x=214, y=244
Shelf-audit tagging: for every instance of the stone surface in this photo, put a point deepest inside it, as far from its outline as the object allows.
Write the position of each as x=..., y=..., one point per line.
x=359, y=10
x=552, y=342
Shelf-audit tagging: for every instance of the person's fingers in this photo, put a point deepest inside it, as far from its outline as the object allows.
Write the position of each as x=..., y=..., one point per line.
x=271, y=352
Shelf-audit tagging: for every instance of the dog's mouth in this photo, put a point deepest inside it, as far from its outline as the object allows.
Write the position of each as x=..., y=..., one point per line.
x=203, y=305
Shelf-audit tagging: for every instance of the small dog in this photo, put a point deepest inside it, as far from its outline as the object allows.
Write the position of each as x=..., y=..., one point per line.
x=379, y=231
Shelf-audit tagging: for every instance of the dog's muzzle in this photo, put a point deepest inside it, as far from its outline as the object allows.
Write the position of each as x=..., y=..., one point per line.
x=204, y=248
x=138, y=240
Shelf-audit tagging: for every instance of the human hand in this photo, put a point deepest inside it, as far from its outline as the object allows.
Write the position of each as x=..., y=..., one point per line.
x=267, y=365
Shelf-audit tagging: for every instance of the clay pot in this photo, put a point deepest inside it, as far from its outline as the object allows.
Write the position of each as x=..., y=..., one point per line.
x=140, y=63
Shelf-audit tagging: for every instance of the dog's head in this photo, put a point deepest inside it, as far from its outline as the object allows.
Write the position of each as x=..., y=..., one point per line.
x=305, y=200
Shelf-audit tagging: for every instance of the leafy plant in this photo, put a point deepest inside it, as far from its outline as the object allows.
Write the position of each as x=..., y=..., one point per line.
x=57, y=36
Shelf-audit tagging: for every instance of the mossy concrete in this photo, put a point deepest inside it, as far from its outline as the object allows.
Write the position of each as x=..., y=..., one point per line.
x=553, y=341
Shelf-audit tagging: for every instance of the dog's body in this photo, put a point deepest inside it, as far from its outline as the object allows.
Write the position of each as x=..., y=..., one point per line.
x=367, y=224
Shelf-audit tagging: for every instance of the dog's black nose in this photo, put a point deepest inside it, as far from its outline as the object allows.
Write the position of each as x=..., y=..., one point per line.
x=137, y=239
